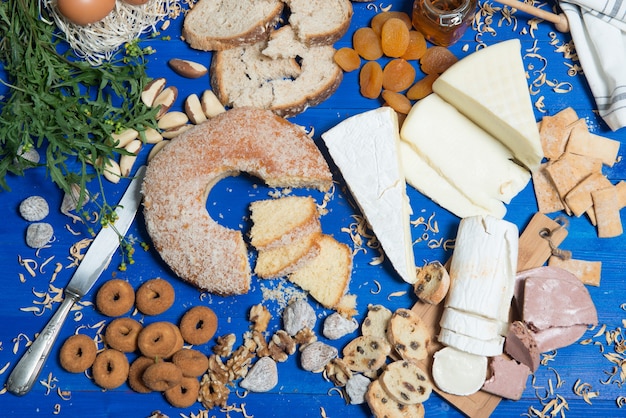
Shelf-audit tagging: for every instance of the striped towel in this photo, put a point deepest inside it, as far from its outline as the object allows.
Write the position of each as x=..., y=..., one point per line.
x=598, y=29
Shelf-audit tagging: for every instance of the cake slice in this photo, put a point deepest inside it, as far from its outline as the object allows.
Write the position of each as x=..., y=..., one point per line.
x=281, y=261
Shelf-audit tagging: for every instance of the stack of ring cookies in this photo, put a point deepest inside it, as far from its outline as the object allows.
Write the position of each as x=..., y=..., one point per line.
x=163, y=364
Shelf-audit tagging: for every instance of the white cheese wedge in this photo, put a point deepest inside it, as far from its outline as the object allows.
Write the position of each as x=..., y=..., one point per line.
x=457, y=372
x=477, y=164
x=483, y=267
x=490, y=87
x=425, y=179
x=365, y=148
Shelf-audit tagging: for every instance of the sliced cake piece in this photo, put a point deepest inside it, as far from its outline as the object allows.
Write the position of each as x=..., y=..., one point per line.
x=281, y=261
x=282, y=221
x=365, y=148
x=326, y=277
x=490, y=88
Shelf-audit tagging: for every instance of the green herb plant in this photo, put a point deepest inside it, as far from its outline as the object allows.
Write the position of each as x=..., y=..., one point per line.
x=62, y=106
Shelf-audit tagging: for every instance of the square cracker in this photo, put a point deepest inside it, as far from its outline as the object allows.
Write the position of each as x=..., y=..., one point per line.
x=583, y=142
x=579, y=198
x=589, y=272
x=570, y=169
x=554, y=132
x=548, y=199
x=607, y=209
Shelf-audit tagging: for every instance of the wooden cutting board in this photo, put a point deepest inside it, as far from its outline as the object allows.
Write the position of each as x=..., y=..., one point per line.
x=534, y=251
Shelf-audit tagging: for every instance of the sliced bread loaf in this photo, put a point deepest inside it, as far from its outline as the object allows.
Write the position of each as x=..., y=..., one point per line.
x=266, y=74
x=327, y=276
x=282, y=221
x=221, y=24
x=320, y=22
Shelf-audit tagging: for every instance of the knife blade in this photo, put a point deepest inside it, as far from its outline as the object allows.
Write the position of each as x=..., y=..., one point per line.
x=94, y=263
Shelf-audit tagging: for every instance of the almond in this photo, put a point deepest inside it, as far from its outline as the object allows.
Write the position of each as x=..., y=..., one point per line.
x=152, y=90
x=188, y=69
x=193, y=109
x=165, y=100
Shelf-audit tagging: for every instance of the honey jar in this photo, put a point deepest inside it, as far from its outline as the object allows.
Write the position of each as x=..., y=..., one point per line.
x=443, y=22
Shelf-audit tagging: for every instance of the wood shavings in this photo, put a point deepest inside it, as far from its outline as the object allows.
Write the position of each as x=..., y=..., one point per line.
x=50, y=383
x=378, y=288
x=98, y=42
x=29, y=264
x=540, y=105
x=396, y=294
x=5, y=367
x=76, y=251
x=585, y=391
x=57, y=409
x=66, y=395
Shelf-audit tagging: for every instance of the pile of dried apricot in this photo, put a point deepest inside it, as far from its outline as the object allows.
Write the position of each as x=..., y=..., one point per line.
x=391, y=35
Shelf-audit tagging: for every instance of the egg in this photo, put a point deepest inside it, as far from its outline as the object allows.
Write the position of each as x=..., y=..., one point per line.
x=83, y=12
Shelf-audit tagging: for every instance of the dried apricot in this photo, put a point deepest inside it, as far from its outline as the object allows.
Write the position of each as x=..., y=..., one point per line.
x=398, y=75
x=371, y=79
x=397, y=101
x=422, y=88
x=347, y=59
x=367, y=44
x=394, y=38
x=436, y=60
x=379, y=20
x=417, y=46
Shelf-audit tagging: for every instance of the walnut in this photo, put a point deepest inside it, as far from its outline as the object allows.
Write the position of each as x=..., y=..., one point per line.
x=213, y=393
x=305, y=336
x=225, y=345
x=217, y=370
x=260, y=317
x=262, y=348
x=239, y=363
x=338, y=372
x=281, y=346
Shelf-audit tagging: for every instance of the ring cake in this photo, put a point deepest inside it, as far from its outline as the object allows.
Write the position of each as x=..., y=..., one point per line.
x=179, y=178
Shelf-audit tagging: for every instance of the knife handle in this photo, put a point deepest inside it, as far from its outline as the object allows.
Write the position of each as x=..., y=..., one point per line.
x=28, y=368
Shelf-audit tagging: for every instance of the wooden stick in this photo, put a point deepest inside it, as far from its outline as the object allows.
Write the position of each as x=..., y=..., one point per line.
x=559, y=20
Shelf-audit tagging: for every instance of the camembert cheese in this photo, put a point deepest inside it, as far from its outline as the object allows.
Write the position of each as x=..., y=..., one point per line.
x=490, y=88
x=469, y=158
x=365, y=148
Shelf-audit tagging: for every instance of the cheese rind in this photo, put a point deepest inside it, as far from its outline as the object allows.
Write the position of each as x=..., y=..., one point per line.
x=365, y=148
x=469, y=158
x=490, y=87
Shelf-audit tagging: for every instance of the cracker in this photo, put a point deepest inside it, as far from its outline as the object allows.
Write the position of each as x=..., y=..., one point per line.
x=583, y=142
x=548, y=199
x=579, y=198
x=554, y=132
x=588, y=272
x=570, y=169
x=607, y=207
x=620, y=188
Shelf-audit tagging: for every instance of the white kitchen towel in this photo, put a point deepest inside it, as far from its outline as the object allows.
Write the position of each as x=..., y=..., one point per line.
x=598, y=29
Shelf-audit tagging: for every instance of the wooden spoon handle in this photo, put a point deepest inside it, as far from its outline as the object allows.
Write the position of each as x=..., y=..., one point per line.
x=559, y=20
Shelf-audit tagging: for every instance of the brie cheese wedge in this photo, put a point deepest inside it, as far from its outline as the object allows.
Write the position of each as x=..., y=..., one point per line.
x=490, y=88
x=365, y=148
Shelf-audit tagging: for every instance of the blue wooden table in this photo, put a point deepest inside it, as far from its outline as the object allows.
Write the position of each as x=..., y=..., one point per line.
x=300, y=393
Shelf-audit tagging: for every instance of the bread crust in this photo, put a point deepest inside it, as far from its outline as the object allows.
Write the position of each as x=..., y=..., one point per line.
x=179, y=178
x=195, y=21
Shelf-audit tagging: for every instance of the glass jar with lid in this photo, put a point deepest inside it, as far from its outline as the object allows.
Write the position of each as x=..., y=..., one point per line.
x=443, y=22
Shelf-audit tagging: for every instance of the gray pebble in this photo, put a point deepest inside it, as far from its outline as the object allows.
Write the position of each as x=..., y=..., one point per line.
x=34, y=208
x=356, y=388
x=316, y=355
x=262, y=376
x=298, y=315
x=39, y=234
x=336, y=326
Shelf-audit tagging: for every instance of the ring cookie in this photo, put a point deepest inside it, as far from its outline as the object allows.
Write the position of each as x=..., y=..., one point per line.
x=179, y=179
x=408, y=335
x=406, y=383
x=382, y=405
x=365, y=353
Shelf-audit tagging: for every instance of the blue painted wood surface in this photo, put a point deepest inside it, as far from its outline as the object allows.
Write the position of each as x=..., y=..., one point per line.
x=299, y=393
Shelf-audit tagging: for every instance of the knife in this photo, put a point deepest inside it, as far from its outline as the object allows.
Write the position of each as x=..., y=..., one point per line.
x=91, y=267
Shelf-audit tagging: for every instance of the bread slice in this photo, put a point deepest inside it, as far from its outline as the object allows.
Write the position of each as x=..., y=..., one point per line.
x=327, y=276
x=282, y=221
x=281, y=261
x=433, y=283
x=283, y=75
x=320, y=22
x=215, y=25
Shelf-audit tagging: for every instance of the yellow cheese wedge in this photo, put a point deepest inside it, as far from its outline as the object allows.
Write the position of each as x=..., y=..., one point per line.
x=490, y=88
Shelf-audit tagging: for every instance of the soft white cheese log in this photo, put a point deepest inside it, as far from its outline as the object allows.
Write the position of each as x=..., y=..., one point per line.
x=480, y=347
x=473, y=325
x=483, y=267
x=425, y=179
x=365, y=148
x=468, y=157
x=489, y=86
x=458, y=372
